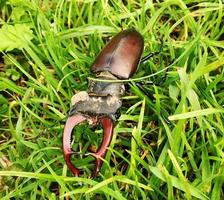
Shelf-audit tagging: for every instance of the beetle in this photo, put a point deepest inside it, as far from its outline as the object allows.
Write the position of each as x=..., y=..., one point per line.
x=118, y=60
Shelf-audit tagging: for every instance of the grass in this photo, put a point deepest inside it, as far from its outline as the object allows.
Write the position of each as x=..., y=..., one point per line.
x=168, y=142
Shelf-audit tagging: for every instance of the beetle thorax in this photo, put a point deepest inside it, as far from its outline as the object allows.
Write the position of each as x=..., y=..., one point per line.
x=104, y=88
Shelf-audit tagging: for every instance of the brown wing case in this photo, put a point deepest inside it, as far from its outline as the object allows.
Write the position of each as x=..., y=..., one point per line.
x=121, y=55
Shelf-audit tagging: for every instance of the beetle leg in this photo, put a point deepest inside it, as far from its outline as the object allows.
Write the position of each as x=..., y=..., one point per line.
x=107, y=124
x=71, y=122
x=151, y=54
x=147, y=57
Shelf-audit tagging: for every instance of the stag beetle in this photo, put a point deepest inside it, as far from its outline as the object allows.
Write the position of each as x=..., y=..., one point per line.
x=118, y=60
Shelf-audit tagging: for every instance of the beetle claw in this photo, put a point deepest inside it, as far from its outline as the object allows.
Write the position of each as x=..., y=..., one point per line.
x=74, y=120
x=107, y=124
x=67, y=149
x=98, y=164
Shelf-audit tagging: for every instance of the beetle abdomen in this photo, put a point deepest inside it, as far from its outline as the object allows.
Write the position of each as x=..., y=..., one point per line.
x=121, y=55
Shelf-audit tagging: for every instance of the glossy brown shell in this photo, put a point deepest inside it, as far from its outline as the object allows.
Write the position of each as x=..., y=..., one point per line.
x=121, y=55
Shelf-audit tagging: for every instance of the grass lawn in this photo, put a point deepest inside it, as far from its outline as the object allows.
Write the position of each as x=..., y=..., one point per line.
x=168, y=142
